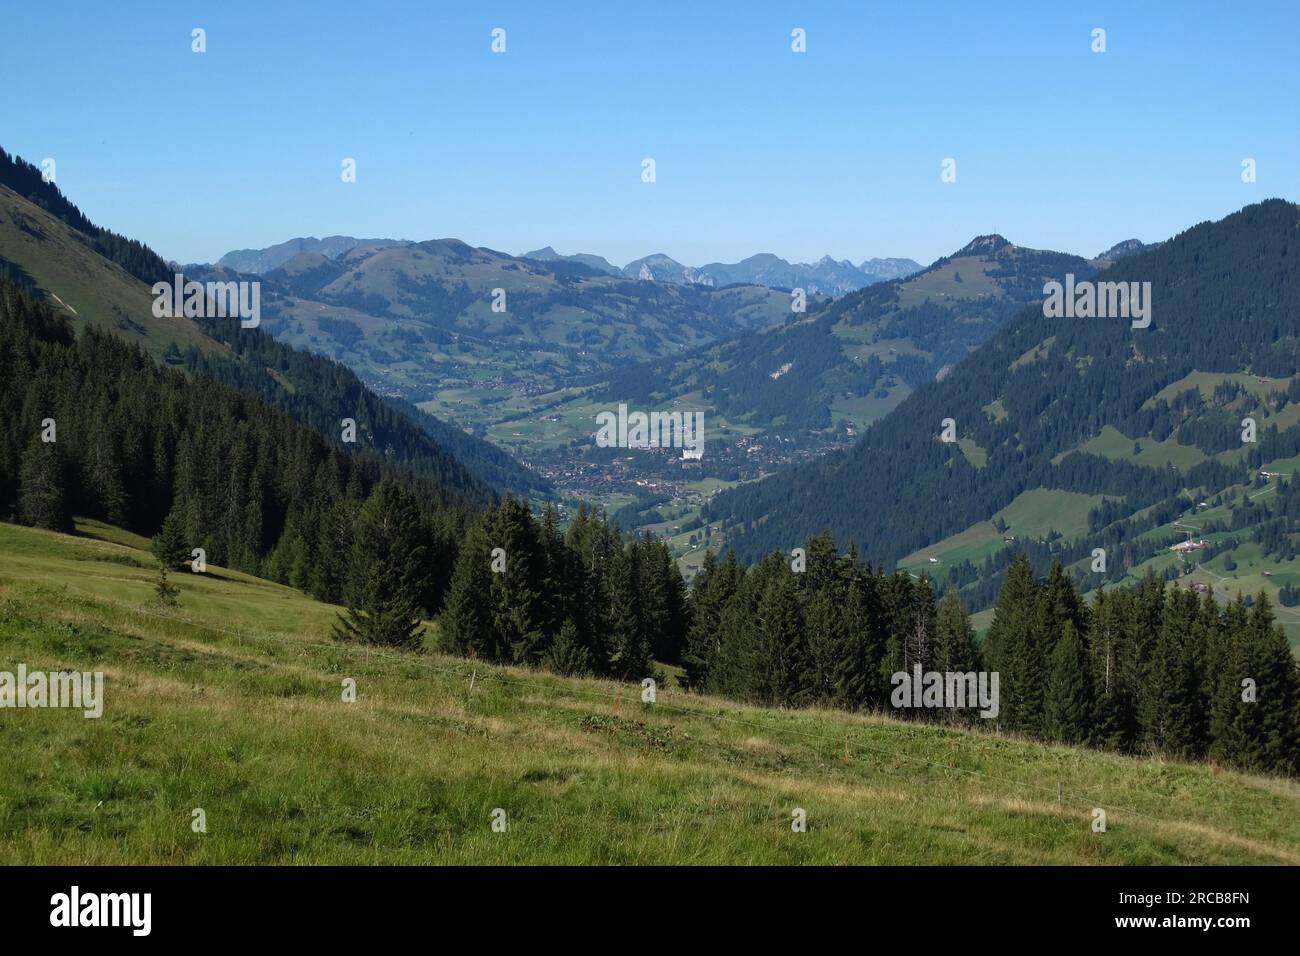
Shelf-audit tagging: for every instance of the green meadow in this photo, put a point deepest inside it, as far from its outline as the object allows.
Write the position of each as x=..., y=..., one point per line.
x=232, y=703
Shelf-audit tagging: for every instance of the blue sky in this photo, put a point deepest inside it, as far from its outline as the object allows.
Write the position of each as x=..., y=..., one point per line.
x=835, y=151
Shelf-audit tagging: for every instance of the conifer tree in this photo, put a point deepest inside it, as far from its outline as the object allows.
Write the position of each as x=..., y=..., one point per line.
x=1059, y=602
x=1012, y=649
x=383, y=603
x=518, y=615
x=668, y=641
x=328, y=576
x=1116, y=723
x=1175, y=716
x=955, y=646
x=168, y=545
x=898, y=620
x=856, y=665
x=567, y=654
x=1069, y=706
x=826, y=646
x=465, y=625
x=712, y=591
x=629, y=645
x=165, y=594
x=776, y=664
x=1254, y=717
x=43, y=499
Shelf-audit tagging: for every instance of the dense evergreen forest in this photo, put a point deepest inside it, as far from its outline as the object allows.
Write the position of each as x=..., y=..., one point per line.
x=97, y=428
x=1146, y=669
x=1225, y=297
x=324, y=392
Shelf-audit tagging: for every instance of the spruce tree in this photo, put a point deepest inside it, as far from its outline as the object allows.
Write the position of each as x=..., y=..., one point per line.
x=955, y=646
x=826, y=647
x=629, y=645
x=776, y=665
x=856, y=666
x=169, y=546
x=1116, y=722
x=567, y=654
x=1175, y=715
x=165, y=594
x=43, y=499
x=384, y=589
x=1069, y=706
x=465, y=625
x=518, y=614
x=712, y=591
x=1254, y=719
x=1013, y=650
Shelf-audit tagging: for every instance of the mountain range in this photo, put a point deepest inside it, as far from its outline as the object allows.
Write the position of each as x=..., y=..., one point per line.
x=417, y=322
x=826, y=276
x=848, y=362
x=258, y=261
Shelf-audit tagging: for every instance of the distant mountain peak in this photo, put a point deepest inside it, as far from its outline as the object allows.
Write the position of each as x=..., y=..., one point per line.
x=662, y=268
x=983, y=246
x=261, y=261
x=1127, y=247
x=548, y=254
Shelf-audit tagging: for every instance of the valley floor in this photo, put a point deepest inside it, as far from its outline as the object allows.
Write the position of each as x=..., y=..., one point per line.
x=232, y=703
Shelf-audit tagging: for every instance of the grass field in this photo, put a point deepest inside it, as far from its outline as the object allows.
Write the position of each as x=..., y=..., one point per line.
x=1116, y=446
x=231, y=703
x=1032, y=514
x=1206, y=382
x=1255, y=571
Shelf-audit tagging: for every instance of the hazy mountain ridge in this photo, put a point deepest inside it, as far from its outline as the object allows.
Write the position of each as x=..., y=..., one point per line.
x=844, y=365
x=599, y=263
x=1128, y=247
x=441, y=314
x=258, y=261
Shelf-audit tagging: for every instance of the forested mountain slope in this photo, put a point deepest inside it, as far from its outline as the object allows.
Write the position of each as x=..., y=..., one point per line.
x=99, y=429
x=1225, y=299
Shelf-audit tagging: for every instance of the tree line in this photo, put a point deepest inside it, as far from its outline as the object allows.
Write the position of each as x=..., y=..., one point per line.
x=1145, y=669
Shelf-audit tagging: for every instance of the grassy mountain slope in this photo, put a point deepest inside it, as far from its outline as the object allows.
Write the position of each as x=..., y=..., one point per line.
x=264, y=260
x=84, y=285
x=843, y=367
x=1046, y=402
x=232, y=703
x=417, y=321
x=67, y=265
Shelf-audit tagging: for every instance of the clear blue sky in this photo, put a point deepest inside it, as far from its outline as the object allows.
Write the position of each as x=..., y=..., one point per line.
x=836, y=151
